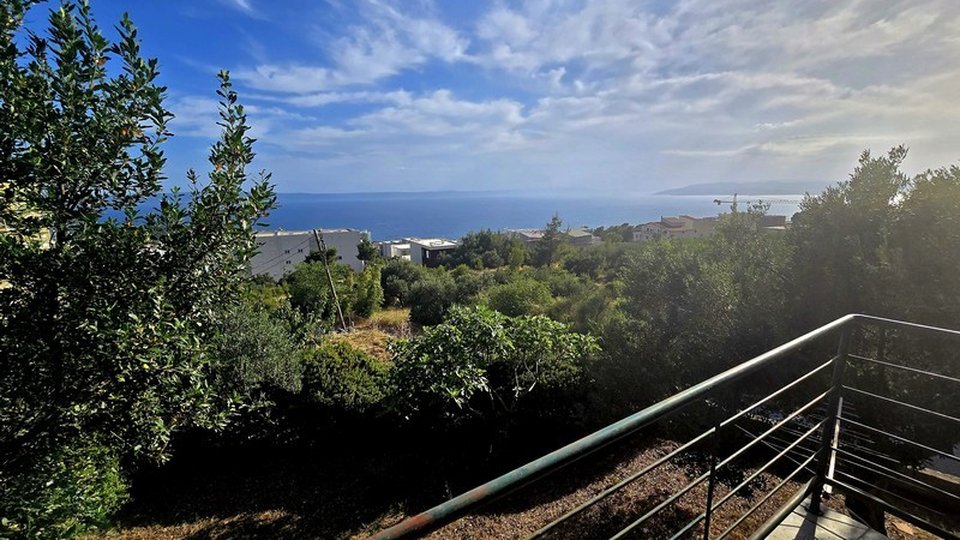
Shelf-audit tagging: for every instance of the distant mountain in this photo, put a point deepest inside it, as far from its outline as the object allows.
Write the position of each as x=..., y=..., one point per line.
x=798, y=187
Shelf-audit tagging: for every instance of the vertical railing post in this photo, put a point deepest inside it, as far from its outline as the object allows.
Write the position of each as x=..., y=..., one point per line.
x=829, y=426
x=711, y=480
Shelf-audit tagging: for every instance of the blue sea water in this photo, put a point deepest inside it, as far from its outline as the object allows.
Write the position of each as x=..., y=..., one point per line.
x=452, y=214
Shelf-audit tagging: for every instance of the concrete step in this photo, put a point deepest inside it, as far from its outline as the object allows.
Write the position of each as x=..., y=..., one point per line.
x=832, y=525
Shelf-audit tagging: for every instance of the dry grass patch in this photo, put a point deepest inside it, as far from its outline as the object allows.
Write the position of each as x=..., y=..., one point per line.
x=369, y=340
x=394, y=321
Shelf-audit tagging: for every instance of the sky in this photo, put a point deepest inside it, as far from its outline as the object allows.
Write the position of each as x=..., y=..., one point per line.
x=606, y=96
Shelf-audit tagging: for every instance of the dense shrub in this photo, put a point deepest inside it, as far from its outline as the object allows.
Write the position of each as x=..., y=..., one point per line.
x=396, y=277
x=360, y=294
x=309, y=288
x=257, y=350
x=522, y=296
x=430, y=298
x=63, y=493
x=344, y=379
x=482, y=363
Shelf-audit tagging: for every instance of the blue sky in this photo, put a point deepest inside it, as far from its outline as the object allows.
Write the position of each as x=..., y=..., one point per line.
x=601, y=96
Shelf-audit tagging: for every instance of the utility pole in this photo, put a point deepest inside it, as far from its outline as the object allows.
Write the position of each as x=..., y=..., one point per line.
x=326, y=265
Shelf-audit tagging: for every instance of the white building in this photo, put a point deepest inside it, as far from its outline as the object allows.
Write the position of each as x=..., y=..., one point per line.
x=676, y=227
x=279, y=252
x=395, y=249
x=427, y=251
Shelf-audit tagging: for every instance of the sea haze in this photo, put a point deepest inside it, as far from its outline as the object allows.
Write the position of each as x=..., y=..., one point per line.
x=452, y=214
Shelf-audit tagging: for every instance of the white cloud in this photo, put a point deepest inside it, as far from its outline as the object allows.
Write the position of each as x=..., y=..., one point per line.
x=617, y=92
x=386, y=44
x=244, y=6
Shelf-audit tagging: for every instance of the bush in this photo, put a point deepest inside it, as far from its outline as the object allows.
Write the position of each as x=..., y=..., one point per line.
x=430, y=298
x=310, y=289
x=482, y=363
x=360, y=294
x=396, y=278
x=257, y=350
x=344, y=379
x=62, y=494
x=519, y=297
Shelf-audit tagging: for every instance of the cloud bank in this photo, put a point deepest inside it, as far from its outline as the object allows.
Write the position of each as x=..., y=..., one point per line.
x=607, y=95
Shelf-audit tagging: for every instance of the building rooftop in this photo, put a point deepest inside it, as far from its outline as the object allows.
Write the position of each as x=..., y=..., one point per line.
x=579, y=233
x=532, y=234
x=283, y=232
x=433, y=242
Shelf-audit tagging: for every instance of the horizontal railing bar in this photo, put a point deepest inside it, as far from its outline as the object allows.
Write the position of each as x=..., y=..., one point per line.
x=623, y=483
x=882, y=321
x=846, y=444
x=774, y=428
x=899, y=512
x=776, y=448
x=521, y=476
x=656, y=509
x=688, y=526
x=902, y=404
x=778, y=487
x=800, y=450
x=904, y=439
x=905, y=368
x=729, y=458
x=869, y=486
x=906, y=477
x=765, y=466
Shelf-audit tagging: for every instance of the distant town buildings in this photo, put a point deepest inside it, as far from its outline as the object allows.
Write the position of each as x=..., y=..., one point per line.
x=527, y=236
x=582, y=237
x=691, y=227
x=676, y=227
x=281, y=251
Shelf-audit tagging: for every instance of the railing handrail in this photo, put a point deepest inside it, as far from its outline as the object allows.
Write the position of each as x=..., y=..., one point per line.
x=458, y=506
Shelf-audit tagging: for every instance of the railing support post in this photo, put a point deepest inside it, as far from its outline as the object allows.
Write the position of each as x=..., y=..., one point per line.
x=711, y=480
x=830, y=426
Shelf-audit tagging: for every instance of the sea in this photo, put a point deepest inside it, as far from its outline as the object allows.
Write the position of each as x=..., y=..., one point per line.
x=451, y=214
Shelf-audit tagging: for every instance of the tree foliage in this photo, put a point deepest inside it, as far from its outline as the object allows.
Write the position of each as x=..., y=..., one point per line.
x=486, y=249
x=397, y=276
x=551, y=247
x=107, y=310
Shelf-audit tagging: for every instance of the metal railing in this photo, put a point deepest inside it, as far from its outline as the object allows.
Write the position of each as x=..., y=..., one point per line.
x=819, y=456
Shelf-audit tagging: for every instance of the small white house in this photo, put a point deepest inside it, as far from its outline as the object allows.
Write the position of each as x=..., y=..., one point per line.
x=395, y=249
x=427, y=251
x=279, y=252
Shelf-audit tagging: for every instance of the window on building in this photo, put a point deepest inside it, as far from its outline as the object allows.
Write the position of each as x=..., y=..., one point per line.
x=286, y=251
